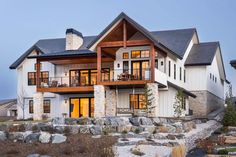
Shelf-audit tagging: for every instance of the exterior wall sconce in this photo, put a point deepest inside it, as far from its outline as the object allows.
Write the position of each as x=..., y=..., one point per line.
x=65, y=100
x=118, y=65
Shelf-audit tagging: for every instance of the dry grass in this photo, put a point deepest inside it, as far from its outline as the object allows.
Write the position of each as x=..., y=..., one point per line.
x=178, y=151
x=81, y=145
x=163, y=129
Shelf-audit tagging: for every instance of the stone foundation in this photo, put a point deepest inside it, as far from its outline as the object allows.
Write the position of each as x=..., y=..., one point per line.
x=99, y=101
x=110, y=107
x=204, y=103
x=38, y=106
x=153, y=88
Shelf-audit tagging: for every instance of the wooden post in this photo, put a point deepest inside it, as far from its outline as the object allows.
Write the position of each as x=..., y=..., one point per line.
x=152, y=57
x=38, y=74
x=124, y=34
x=99, y=67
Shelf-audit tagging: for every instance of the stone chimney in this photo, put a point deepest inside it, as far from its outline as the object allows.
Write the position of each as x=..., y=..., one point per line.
x=74, y=39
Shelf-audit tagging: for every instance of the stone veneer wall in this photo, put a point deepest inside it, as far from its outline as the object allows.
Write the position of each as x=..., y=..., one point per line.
x=153, y=87
x=38, y=106
x=99, y=101
x=204, y=103
x=110, y=107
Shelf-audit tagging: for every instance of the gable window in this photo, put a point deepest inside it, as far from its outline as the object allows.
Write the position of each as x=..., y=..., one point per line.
x=125, y=55
x=180, y=73
x=31, y=106
x=169, y=68
x=140, y=54
x=184, y=75
x=137, y=101
x=31, y=78
x=43, y=78
x=174, y=71
x=46, y=106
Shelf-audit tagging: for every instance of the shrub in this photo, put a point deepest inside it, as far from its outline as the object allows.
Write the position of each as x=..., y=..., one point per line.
x=223, y=152
x=178, y=151
x=44, y=117
x=35, y=128
x=67, y=131
x=21, y=127
x=137, y=131
x=124, y=132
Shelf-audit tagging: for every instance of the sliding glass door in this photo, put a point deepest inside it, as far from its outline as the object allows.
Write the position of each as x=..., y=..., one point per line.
x=139, y=69
x=81, y=107
x=83, y=77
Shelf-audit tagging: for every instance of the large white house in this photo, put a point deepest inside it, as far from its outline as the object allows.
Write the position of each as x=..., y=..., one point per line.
x=105, y=75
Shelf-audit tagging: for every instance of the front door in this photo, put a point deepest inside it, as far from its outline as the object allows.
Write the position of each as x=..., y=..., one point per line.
x=81, y=107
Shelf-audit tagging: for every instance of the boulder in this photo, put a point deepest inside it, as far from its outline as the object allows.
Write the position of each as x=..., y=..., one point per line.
x=135, y=121
x=84, y=121
x=156, y=121
x=188, y=126
x=180, y=136
x=170, y=137
x=108, y=129
x=44, y=137
x=137, y=129
x=122, y=128
x=96, y=130
x=32, y=138
x=58, y=138
x=84, y=130
x=59, y=129
x=146, y=121
x=3, y=136
x=70, y=121
x=74, y=129
x=98, y=121
x=150, y=129
x=159, y=136
x=3, y=127
x=58, y=121
x=16, y=136
x=46, y=127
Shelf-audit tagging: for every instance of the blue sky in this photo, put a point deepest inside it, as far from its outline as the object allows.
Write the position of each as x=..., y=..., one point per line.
x=24, y=22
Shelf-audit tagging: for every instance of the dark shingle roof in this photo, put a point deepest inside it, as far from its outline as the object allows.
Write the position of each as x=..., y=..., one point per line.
x=202, y=54
x=175, y=40
x=233, y=63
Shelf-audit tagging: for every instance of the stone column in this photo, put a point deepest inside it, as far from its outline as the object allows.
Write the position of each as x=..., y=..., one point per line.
x=153, y=88
x=110, y=102
x=38, y=106
x=99, y=101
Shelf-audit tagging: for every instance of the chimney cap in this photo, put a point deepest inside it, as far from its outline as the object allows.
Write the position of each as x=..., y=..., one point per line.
x=73, y=31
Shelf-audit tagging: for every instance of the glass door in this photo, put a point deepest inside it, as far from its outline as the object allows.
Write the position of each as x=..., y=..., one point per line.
x=140, y=70
x=145, y=70
x=84, y=77
x=74, y=108
x=136, y=70
x=74, y=78
x=84, y=107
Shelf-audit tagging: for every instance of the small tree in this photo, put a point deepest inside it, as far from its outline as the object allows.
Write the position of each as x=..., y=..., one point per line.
x=178, y=105
x=229, y=118
x=21, y=102
x=149, y=99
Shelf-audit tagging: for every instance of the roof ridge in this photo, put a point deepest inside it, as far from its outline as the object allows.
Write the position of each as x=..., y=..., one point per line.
x=193, y=28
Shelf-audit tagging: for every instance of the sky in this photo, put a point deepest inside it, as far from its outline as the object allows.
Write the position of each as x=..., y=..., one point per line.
x=22, y=23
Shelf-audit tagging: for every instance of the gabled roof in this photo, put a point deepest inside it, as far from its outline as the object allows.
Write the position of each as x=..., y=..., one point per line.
x=180, y=88
x=233, y=63
x=47, y=46
x=176, y=40
x=202, y=54
x=140, y=28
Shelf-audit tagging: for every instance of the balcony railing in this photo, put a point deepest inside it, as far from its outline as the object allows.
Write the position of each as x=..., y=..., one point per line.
x=126, y=75
x=57, y=82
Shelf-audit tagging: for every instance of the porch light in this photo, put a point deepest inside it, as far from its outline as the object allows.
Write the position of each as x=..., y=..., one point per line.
x=118, y=65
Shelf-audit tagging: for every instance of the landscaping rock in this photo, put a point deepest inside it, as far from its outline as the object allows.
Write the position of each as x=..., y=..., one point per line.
x=44, y=137
x=16, y=136
x=145, y=121
x=188, y=126
x=58, y=121
x=109, y=129
x=84, y=121
x=98, y=121
x=135, y=121
x=123, y=128
x=70, y=121
x=84, y=130
x=74, y=129
x=150, y=129
x=3, y=136
x=58, y=138
x=32, y=138
x=59, y=129
x=159, y=136
x=46, y=127
x=156, y=121
x=137, y=129
x=33, y=155
x=180, y=136
x=3, y=127
x=96, y=130
x=170, y=137
x=171, y=129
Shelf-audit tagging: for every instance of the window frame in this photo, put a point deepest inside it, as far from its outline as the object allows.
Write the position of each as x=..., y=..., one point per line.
x=44, y=106
x=169, y=68
x=125, y=55
x=175, y=71
x=34, y=79
x=138, y=101
x=140, y=54
x=180, y=73
x=41, y=78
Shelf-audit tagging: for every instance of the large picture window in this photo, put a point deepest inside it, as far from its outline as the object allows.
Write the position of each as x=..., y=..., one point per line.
x=137, y=101
x=46, y=106
x=31, y=106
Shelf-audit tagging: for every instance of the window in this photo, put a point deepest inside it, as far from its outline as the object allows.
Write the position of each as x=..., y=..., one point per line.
x=156, y=63
x=180, y=73
x=46, y=106
x=174, y=71
x=35, y=66
x=137, y=101
x=183, y=105
x=125, y=66
x=135, y=54
x=31, y=106
x=184, y=75
x=105, y=74
x=215, y=79
x=145, y=54
x=210, y=75
x=156, y=54
x=31, y=78
x=140, y=54
x=125, y=55
x=169, y=68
